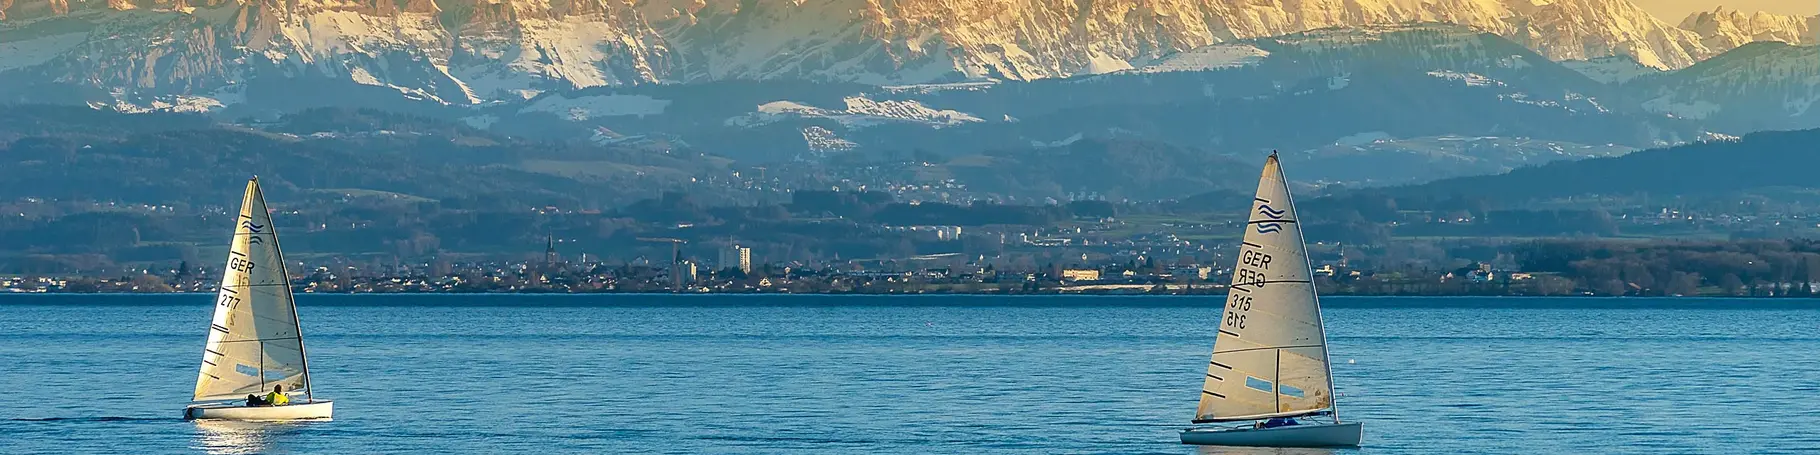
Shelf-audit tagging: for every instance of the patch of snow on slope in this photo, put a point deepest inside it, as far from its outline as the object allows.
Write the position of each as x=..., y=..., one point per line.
x=822, y=141
x=126, y=103
x=1710, y=136
x=1523, y=98
x=380, y=51
x=1471, y=79
x=791, y=107
x=861, y=112
x=777, y=111
x=361, y=76
x=1064, y=142
x=907, y=110
x=1610, y=70
x=586, y=107
x=576, y=52
x=1098, y=63
x=1364, y=138
x=1572, y=97
x=1215, y=57
x=186, y=103
x=924, y=89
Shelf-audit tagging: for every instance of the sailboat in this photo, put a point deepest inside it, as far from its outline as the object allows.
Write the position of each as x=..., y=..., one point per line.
x=1269, y=383
x=254, y=340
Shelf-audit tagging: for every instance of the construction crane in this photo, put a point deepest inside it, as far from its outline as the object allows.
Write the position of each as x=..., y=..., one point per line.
x=675, y=259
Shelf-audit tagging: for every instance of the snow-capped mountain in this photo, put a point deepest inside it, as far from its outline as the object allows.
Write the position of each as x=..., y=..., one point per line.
x=919, y=40
x=1724, y=28
x=203, y=54
x=1302, y=90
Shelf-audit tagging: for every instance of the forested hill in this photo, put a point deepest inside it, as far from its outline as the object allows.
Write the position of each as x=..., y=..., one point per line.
x=1760, y=160
x=75, y=154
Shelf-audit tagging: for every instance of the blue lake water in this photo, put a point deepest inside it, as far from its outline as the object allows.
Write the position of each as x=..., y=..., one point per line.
x=859, y=374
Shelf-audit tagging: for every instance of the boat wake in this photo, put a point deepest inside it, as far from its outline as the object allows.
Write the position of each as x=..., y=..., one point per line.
x=92, y=419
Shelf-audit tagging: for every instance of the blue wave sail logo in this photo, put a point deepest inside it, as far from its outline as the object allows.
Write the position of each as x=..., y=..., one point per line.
x=254, y=229
x=1272, y=213
x=1264, y=209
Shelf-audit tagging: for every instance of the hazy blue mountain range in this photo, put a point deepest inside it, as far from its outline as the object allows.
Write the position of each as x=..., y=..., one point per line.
x=328, y=155
x=1392, y=101
x=80, y=154
x=1758, y=163
x=1373, y=100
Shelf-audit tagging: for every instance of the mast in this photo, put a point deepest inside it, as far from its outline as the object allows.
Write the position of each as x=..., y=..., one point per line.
x=1322, y=319
x=309, y=392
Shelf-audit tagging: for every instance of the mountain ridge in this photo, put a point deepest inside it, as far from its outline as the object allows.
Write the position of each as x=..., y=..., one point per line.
x=480, y=51
x=1729, y=28
x=1754, y=161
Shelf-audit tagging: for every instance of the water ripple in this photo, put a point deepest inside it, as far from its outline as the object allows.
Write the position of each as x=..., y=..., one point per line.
x=508, y=374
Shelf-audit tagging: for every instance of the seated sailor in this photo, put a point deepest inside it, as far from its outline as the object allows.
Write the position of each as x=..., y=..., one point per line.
x=1279, y=422
x=276, y=398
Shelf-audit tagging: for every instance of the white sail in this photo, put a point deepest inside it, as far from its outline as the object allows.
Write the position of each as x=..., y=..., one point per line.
x=1270, y=358
x=254, y=341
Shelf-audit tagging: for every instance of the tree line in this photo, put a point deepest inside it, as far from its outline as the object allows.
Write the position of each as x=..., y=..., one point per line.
x=1676, y=267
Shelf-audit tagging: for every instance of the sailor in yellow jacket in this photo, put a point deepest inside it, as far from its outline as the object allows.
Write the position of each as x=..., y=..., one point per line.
x=277, y=397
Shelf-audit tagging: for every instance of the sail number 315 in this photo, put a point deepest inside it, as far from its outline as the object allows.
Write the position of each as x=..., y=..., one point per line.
x=1236, y=306
x=1252, y=265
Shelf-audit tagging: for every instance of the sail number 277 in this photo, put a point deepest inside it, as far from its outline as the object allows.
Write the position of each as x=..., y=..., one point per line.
x=228, y=300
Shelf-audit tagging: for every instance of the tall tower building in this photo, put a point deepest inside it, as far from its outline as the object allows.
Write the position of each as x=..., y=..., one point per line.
x=736, y=257
x=550, y=257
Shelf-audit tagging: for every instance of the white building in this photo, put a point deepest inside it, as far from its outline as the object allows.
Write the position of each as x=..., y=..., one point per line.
x=736, y=257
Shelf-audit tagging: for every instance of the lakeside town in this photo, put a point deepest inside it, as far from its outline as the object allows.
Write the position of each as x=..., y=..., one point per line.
x=969, y=278
x=732, y=270
x=1097, y=250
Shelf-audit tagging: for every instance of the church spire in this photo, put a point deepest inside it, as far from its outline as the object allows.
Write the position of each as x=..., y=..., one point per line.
x=549, y=251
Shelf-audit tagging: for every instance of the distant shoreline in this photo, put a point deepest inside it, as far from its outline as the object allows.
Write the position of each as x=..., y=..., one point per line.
x=705, y=295
x=824, y=302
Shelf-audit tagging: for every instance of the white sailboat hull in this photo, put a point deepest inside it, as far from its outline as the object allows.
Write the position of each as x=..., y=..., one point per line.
x=240, y=411
x=1316, y=435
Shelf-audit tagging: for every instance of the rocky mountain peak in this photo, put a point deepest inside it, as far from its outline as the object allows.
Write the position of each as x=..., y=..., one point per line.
x=1725, y=28
x=469, y=51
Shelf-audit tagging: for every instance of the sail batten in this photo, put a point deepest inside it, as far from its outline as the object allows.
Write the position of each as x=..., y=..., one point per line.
x=1270, y=352
x=254, y=339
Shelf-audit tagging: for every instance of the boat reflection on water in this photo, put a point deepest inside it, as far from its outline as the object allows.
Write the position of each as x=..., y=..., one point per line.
x=1230, y=450
x=233, y=437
